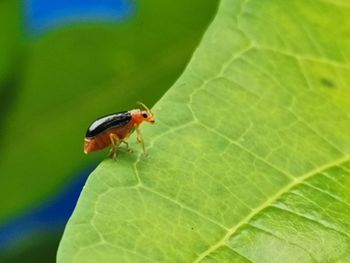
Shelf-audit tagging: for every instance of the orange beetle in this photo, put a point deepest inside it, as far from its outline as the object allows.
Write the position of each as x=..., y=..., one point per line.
x=115, y=129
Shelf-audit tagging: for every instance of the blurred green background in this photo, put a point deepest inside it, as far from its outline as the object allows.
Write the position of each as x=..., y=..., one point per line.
x=63, y=64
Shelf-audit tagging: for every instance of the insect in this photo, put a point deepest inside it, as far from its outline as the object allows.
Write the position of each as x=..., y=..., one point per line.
x=115, y=129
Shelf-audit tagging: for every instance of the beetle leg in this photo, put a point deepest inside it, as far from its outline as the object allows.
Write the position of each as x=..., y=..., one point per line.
x=140, y=139
x=127, y=145
x=114, y=141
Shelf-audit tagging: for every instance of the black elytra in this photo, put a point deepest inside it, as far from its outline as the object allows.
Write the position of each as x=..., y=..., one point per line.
x=107, y=122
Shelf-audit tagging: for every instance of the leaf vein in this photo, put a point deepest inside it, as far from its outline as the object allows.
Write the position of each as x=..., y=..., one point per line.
x=327, y=193
x=248, y=151
x=269, y=202
x=183, y=206
x=283, y=239
x=311, y=219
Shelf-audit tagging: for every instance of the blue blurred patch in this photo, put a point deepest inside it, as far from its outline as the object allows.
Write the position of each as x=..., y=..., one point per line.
x=42, y=15
x=51, y=216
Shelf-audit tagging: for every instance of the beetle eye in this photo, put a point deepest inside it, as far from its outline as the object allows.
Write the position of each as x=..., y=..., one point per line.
x=144, y=115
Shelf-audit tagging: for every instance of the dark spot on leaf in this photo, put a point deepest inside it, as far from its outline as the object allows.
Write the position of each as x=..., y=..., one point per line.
x=327, y=83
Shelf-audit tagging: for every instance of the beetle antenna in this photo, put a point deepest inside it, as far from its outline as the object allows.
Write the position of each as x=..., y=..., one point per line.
x=146, y=108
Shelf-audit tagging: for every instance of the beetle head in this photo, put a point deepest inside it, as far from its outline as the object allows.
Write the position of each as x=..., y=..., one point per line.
x=147, y=114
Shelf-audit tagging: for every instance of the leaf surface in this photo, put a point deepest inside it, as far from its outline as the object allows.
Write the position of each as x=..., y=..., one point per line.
x=249, y=160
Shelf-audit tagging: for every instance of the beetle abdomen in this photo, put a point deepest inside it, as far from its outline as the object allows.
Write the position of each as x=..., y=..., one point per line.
x=105, y=123
x=102, y=140
x=96, y=144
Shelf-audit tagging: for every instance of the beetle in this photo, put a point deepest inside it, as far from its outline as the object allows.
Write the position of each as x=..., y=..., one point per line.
x=114, y=129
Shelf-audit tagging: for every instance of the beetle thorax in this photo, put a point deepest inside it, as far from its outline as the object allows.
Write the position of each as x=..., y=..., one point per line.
x=139, y=116
x=136, y=116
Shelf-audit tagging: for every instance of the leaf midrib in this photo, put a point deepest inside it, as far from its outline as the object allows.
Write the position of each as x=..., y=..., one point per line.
x=296, y=181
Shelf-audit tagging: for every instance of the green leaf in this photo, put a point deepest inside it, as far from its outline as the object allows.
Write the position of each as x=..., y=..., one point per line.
x=249, y=159
x=76, y=73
